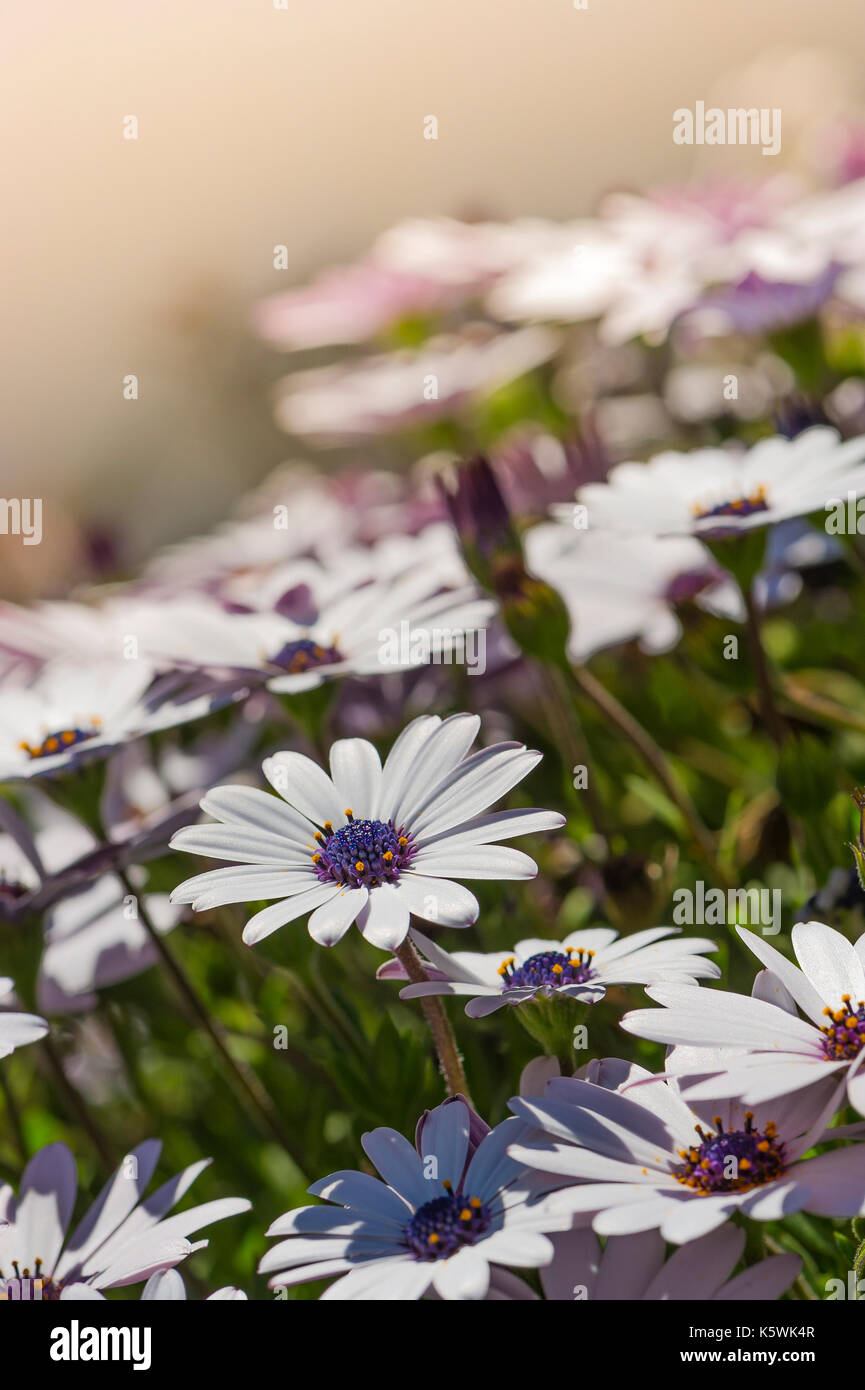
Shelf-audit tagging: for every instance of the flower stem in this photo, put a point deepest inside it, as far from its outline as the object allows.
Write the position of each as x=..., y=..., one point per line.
x=244, y=1079
x=768, y=707
x=564, y=720
x=450, y=1061
x=654, y=756
x=77, y=1105
x=14, y=1115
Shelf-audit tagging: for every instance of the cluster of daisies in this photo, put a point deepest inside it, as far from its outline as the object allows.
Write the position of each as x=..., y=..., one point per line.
x=741, y=1120
x=180, y=711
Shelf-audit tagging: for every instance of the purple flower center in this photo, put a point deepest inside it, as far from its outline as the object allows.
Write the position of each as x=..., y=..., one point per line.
x=443, y=1226
x=548, y=970
x=24, y=1287
x=363, y=853
x=304, y=655
x=736, y=507
x=844, y=1036
x=734, y=1161
x=59, y=742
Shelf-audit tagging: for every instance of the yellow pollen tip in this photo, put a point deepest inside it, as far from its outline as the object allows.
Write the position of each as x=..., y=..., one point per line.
x=360, y=866
x=434, y=1239
x=465, y=1214
x=387, y=856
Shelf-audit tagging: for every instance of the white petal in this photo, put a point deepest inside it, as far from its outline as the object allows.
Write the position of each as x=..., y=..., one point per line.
x=476, y=861
x=829, y=961
x=465, y=1275
x=330, y=922
x=356, y=772
x=438, y=900
x=304, y=785
x=384, y=920
x=270, y=919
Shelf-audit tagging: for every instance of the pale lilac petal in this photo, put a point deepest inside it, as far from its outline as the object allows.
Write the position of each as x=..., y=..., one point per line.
x=445, y=1134
x=769, y=987
x=47, y=1197
x=399, y=1164
x=763, y=1282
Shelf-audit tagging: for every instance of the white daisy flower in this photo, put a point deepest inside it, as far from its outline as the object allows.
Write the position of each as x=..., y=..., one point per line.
x=776, y=1051
x=370, y=843
x=263, y=538
x=444, y=1219
x=649, y=1161
x=123, y=1239
x=381, y=394
x=432, y=559
x=633, y=1269
x=73, y=711
x=350, y=304
x=381, y=627
x=165, y=1286
x=620, y=588
x=580, y=967
x=58, y=629
x=712, y=492
x=16, y=1030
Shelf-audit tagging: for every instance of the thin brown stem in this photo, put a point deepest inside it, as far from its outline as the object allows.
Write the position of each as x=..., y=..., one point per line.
x=245, y=1082
x=78, y=1106
x=768, y=708
x=14, y=1114
x=564, y=720
x=450, y=1061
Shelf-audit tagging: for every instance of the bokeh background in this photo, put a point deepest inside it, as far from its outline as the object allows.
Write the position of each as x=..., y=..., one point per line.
x=303, y=126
